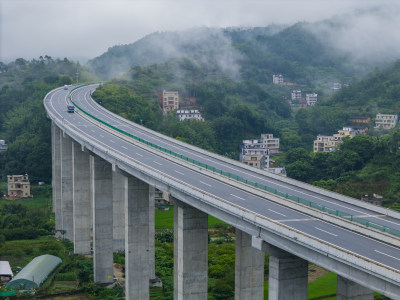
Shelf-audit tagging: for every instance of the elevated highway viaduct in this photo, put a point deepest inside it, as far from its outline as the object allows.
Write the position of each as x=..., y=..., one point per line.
x=105, y=170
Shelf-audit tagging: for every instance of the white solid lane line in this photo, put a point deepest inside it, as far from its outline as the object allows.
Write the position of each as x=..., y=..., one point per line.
x=237, y=197
x=325, y=231
x=387, y=255
x=277, y=212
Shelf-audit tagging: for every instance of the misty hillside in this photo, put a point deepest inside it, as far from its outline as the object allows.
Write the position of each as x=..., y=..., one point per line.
x=157, y=48
x=306, y=53
x=291, y=51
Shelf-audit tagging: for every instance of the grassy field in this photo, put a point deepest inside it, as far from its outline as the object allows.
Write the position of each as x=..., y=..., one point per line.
x=42, y=197
x=165, y=218
x=322, y=288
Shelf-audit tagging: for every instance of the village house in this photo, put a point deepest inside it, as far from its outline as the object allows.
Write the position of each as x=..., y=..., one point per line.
x=277, y=79
x=189, y=114
x=19, y=186
x=386, y=121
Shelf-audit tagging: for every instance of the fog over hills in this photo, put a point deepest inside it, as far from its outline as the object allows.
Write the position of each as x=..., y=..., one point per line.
x=361, y=40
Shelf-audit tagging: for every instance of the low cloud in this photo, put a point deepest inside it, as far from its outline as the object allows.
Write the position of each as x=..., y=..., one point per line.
x=365, y=35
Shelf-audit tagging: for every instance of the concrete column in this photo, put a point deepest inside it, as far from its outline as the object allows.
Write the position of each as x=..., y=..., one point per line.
x=53, y=130
x=349, y=290
x=66, y=187
x=190, y=252
x=288, y=276
x=120, y=193
x=152, y=267
x=56, y=176
x=101, y=193
x=81, y=199
x=137, y=240
x=249, y=269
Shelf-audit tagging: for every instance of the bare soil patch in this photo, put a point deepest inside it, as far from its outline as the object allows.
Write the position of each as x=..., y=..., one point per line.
x=315, y=272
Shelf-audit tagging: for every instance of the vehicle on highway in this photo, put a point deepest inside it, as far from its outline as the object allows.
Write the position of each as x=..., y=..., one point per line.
x=65, y=87
x=70, y=108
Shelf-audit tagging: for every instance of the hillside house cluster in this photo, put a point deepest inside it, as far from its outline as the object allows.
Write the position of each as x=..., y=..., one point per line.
x=257, y=152
x=170, y=101
x=329, y=143
x=19, y=186
x=300, y=101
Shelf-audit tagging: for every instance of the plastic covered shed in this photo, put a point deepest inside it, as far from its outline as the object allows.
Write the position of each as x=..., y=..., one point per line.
x=34, y=273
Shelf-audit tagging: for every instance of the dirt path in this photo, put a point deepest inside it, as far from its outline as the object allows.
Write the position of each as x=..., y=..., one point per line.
x=118, y=274
x=315, y=272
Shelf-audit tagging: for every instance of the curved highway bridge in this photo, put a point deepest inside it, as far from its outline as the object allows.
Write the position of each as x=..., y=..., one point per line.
x=105, y=170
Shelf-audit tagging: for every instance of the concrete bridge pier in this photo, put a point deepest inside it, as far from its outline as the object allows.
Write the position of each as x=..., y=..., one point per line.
x=152, y=263
x=101, y=187
x=137, y=211
x=350, y=290
x=120, y=193
x=190, y=252
x=288, y=274
x=249, y=269
x=56, y=175
x=82, y=219
x=66, y=187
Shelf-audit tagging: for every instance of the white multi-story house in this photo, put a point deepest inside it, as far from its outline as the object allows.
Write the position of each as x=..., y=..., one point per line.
x=256, y=152
x=277, y=79
x=296, y=95
x=336, y=86
x=386, y=121
x=170, y=101
x=3, y=145
x=189, y=114
x=311, y=99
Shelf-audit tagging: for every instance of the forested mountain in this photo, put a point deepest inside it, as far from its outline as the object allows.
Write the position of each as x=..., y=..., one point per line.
x=249, y=53
x=159, y=47
x=23, y=122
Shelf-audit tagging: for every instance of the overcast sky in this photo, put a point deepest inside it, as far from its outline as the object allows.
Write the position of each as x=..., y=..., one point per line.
x=84, y=29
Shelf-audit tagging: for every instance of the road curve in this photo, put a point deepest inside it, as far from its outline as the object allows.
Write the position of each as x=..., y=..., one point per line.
x=341, y=238
x=82, y=97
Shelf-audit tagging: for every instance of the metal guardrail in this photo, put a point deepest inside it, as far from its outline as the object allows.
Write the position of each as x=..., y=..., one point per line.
x=320, y=207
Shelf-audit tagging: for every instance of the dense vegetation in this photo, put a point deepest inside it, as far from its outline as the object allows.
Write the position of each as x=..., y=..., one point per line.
x=23, y=122
x=227, y=107
x=239, y=110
